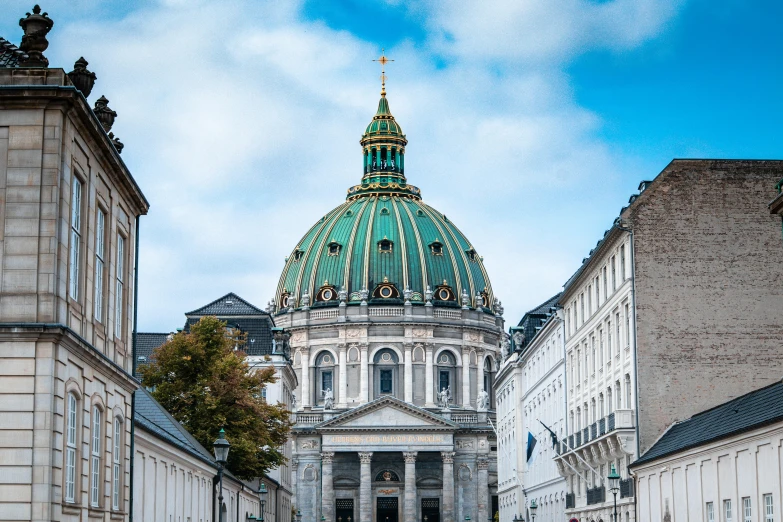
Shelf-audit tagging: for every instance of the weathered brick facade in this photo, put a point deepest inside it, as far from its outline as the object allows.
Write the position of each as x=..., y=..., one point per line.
x=708, y=288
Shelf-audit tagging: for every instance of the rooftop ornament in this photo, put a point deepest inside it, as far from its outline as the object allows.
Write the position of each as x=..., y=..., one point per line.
x=116, y=142
x=81, y=78
x=105, y=115
x=35, y=26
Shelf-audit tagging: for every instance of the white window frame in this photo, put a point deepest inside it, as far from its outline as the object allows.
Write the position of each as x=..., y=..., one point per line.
x=710, y=512
x=95, y=457
x=119, y=287
x=100, y=253
x=116, y=481
x=769, y=508
x=72, y=415
x=747, y=509
x=627, y=325
x=614, y=273
x=727, y=511
x=76, y=238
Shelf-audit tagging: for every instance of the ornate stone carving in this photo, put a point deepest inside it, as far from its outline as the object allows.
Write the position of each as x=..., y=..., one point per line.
x=105, y=115
x=409, y=456
x=498, y=307
x=419, y=332
x=365, y=457
x=447, y=456
x=328, y=399
x=482, y=401
x=81, y=78
x=116, y=142
x=483, y=463
x=464, y=473
x=309, y=474
x=519, y=340
x=464, y=444
x=305, y=301
x=35, y=26
x=363, y=294
x=327, y=457
x=465, y=299
x=479, y=301
x=353, y=333
x=342, y=295
x=309, y=444
x=294, y=464
x=407, y=293
x=444, y=398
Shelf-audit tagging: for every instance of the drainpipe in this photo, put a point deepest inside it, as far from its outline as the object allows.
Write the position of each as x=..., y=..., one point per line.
x=133, y=365
x=635, y=314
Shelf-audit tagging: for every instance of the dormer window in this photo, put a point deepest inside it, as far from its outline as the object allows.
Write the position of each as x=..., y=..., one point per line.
x=334, y=248
x=298, y=254
x=285, y=299
x=386, y=290
x=327, y=292
x=472, y=255
x=444, y=293
x=385, y=246
x=384, y=211
x=436, y=247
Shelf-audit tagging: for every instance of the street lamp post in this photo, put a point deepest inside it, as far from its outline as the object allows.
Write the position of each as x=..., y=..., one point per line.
x=614, y=487
x=221, y=447
x=298, y=515
x=533, y=508
x=262, y=494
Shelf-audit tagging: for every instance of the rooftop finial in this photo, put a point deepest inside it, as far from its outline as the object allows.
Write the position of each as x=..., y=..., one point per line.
x=383, y=61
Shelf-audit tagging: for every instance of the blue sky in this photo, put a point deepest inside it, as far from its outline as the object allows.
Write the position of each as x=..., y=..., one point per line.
x=530, y=123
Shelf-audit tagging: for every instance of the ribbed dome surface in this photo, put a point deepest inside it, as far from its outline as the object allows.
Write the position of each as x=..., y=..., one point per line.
x=383, y=124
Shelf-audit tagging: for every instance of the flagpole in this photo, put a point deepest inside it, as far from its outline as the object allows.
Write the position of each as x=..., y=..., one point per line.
x=565, y=441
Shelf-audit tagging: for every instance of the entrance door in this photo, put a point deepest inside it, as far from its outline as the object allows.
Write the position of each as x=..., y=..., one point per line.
x=430, y=509
x=344, y=511
x=387, y=509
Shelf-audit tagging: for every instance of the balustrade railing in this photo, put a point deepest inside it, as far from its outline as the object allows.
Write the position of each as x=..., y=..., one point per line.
x=610, y=420
x=586, y=435
x=594, y=431
x=461, y=418
x=323, y=314
x=602, y=427
x=447, y=314
x=309, y=418
x=383, y=311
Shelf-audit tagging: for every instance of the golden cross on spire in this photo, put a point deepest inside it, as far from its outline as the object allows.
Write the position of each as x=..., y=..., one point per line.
x=383, y=61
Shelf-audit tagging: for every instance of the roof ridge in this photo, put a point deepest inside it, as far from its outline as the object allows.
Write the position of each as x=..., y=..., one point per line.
x=230, y=294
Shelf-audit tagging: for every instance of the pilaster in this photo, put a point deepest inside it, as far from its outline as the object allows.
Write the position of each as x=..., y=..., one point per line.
x=365, y=486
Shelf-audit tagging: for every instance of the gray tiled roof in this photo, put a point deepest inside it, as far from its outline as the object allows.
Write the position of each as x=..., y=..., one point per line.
x=154, y=418
x=9, y=54
x=230, y=304
x=146, y=344
x=535, y=318
x=745, y=413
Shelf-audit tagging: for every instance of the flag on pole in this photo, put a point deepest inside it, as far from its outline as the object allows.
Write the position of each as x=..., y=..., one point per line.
x=552, y=434
x=532, y=448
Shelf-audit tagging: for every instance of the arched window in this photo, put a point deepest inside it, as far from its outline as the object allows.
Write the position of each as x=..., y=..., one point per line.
x=446, y=373
x=325, y=377
x=385, y=373
x=116, y=456
x=72, y=408
x=95, y=456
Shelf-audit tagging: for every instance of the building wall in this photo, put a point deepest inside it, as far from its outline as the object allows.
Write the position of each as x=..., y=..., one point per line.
x=172, y=485
x=748, y=465
x=544, y=400
x=509, y=388
x=707, y=264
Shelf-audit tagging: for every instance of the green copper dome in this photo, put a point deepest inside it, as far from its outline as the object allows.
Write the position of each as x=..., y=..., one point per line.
x=383, y=245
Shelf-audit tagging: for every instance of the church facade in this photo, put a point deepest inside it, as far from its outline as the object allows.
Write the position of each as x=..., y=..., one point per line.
x=394, y=334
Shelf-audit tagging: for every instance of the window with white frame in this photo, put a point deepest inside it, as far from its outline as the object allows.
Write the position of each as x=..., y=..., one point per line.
x=76, y=238
x=597, y=294
x=622, y=262
x=627, y=326
x=100, y=249
x=727, y=514
x=589, y=300
x=618, y=396
x=628, y=391
x=116, y=461
x=609, y=341
x=70, y=448
x=710, y=512
x=606, y=292
x=769, y=512
x=119, y=286
x=747, y=511
x=95, y=458
x=601, y=348
x=614, y=274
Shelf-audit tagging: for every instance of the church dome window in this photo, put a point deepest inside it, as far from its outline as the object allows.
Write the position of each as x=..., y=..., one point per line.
x=384, y=211
x=444, y=293
x=334, y=248
x=298, y=255
x=420, y=213
x=327, y=292
x=385, y=246
x=472, y=255
x=285, y=299
x=386, y=290
x=436, y=247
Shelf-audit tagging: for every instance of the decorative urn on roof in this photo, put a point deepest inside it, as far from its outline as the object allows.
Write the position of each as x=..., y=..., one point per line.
x=36, y=26
x=81, y=78
x=105, y=115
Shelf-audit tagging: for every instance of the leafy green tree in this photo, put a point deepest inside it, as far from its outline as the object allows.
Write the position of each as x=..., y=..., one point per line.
x=205, y=383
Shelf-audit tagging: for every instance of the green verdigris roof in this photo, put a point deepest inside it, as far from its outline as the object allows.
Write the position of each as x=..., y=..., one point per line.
x=343, y=250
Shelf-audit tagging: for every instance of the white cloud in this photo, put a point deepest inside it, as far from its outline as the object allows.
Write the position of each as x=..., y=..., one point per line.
x=241, y=122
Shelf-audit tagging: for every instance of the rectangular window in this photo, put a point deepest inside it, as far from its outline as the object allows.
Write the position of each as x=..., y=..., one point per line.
x=768, y=509
x=444, y=379
x=120, y=286
x=609, y=341
x=622, y=263
x=710, y=512
x=578, y=366
x=614, y=274
x=727, y=511
x=606, y=290
x=115, y=472
x=627, y=326
x=582, y=307
x=597, y=294
x=617, y=331
x=746, y=510
x=326, y=381
x=589, y=300
x=70, y=450
x=95, y=457
x=76, y=238
x=601, y=348
x=386, y=381
x=592, y=348
x=100, y=248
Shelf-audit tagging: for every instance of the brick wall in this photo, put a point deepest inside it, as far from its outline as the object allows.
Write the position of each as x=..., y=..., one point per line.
x=709, y=288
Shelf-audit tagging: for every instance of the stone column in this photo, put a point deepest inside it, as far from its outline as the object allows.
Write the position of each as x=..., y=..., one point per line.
x=294, y=479
x=327, y=485
x=483, y=488
x=364, y=387
x=429, y=396
x=365, y=487
x=408, y=388
x=305, y=399
x=409, y=502
x=448, y=486
x=342, y=380
x=466, y=377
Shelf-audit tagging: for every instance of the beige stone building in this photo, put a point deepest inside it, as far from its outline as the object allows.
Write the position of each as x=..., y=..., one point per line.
x=69, y=211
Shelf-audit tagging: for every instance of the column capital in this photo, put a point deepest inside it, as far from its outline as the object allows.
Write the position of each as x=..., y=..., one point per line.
x=294, y=463
x=341, y=347
x=364, y=346
x=365, y=457
x=410, y=456
x=327, y=456
x=483, y=463
x=408, y=345
x=430, y=347
x=448, y=457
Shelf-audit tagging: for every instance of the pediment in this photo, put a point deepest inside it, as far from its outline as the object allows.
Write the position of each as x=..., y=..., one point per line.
x=388, y=412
